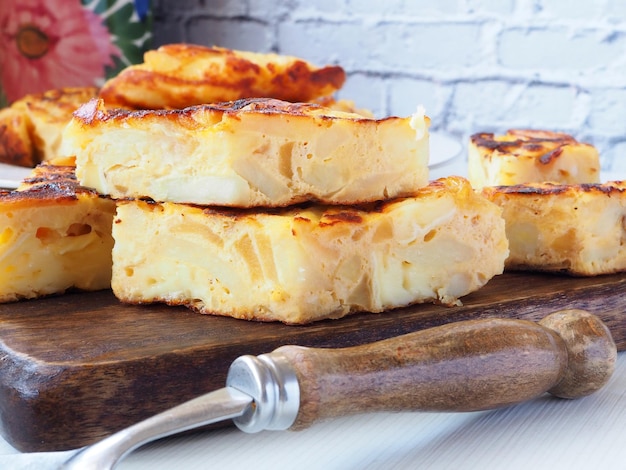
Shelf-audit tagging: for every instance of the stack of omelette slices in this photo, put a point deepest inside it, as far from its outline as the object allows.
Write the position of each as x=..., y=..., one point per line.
x=273, y=210
x=559, y=216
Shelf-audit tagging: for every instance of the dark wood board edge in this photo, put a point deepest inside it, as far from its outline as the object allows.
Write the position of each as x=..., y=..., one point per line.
x=47, y=406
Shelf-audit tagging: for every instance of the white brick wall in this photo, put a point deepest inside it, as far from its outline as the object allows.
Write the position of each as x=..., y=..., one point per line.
x=476, y=65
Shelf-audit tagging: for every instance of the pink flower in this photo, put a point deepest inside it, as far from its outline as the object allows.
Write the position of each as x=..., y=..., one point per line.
x=47, y=44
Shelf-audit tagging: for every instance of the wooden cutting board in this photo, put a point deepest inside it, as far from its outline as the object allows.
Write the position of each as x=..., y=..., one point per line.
x=75, y=368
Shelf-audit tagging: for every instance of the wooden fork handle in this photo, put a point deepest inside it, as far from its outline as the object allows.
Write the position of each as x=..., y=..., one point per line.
x=462, y=366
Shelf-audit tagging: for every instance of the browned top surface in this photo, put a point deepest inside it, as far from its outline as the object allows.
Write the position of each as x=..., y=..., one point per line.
x=547, y=145
x=51, y=182
x=551, y=189
x=326, y=214
x=96, y=111
x=55, y=105
x=181, y=75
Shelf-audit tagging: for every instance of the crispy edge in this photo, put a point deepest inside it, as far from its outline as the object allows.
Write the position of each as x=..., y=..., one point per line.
x=547, y=145
x=241, y=75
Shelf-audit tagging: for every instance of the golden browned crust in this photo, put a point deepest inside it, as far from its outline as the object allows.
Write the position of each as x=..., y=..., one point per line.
x=95, y=111
x=347, y=106
x=330, y=214
x=51, y=183
x=546, y=145
x=548, y=188
x=182, y=75
x=56, y=105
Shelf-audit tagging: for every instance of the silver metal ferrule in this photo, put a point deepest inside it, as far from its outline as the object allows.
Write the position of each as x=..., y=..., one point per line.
x=271, y=381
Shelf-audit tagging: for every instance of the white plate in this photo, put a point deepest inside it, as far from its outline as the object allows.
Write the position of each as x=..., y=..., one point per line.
x=612, y=176
x=443, y=148
x=11, y=176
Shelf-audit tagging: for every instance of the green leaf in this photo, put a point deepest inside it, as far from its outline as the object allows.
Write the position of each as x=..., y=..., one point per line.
x=111, y=72
x=129, y=34
x=131, y=31
x=121, y=17
x=100, y=7
x=132, y=52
